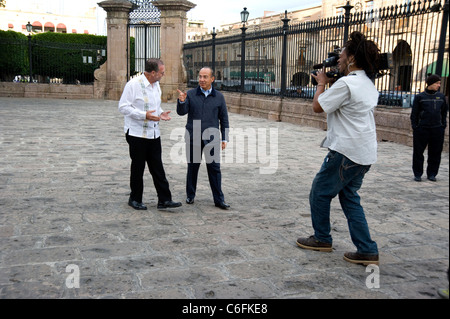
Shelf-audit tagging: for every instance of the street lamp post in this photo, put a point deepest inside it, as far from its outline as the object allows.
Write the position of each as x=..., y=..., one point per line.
x=347, y=9
x=284, y=54
x=244, y=18
x=29, y=29
x=213, y=61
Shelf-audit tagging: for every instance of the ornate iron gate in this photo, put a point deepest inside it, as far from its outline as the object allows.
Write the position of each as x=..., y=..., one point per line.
x=144, y=30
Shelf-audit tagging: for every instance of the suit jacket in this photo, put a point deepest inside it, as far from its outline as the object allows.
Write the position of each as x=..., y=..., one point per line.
x=211, y=111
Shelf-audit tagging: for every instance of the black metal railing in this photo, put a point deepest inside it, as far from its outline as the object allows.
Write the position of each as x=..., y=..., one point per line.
x=144, y=44
x=279, y=61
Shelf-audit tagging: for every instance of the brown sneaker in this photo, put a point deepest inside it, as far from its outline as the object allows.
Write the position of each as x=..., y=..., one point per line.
x=362, y=259
x=313, y=244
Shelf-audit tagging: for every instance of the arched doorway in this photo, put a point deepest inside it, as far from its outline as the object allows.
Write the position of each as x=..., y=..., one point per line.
x=300, y=79
x=402, y=58
x=61, y=28
x=49, y=27
x=37, y=26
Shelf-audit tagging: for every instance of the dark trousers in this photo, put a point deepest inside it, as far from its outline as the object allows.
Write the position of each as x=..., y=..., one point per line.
x=213, y=167
x=434, y=139
x=148, y=151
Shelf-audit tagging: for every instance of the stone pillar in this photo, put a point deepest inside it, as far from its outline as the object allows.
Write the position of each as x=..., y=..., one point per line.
x=117, y=42
x=173, y=36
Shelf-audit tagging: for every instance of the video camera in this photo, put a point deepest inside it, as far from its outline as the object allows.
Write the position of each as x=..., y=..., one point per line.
x=331, y=61
x=385, y=64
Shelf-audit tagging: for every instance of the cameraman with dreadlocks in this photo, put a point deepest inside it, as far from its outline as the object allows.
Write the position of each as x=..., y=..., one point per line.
x=352, y=143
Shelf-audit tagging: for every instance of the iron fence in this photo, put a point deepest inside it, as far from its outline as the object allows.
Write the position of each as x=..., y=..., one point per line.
x=49, y=62
x=144, y=24
x=144, y=44
x=279, y=61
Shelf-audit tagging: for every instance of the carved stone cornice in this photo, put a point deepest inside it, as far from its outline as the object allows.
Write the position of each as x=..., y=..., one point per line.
x=116, y=5
x=174, y=5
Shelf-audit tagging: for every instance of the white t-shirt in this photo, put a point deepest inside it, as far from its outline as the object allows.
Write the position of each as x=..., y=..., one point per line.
x=349, y=104
x=138, y=97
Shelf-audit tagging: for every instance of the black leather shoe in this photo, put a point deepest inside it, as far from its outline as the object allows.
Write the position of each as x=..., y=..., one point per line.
x=223, y=205
x=168, y=204
x=137, y=205
x=190, y=200
x=432, y=178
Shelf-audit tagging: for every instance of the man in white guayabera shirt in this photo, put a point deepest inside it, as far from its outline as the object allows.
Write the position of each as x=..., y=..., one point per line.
x=141, y=106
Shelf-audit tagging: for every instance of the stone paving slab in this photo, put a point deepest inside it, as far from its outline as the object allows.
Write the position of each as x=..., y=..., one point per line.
x=64, y=174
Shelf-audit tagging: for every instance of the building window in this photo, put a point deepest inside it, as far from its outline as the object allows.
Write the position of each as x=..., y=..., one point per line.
x=369, y=6
x=61, y=28
x=302, y=56
x=36, y=27
x=49, y=27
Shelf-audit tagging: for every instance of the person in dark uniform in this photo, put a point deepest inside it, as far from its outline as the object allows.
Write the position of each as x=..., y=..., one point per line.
x=428, y=121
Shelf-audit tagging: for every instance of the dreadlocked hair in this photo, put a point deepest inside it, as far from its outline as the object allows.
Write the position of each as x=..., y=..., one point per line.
x=365, y=52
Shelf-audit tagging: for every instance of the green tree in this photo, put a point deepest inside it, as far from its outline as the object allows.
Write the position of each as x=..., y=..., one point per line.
x=2, y=3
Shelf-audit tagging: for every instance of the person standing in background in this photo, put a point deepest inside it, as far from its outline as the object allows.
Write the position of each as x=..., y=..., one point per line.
x=428, y=121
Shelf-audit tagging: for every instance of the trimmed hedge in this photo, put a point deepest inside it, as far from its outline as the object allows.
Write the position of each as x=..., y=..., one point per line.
x=54, y=55
x=62, y=55
x=70, y=38
x=13, y=55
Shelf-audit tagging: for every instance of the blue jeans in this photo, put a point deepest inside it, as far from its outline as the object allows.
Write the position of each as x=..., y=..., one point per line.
x=340, y=176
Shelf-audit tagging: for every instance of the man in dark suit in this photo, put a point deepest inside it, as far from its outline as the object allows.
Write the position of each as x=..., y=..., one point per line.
x=206, y=110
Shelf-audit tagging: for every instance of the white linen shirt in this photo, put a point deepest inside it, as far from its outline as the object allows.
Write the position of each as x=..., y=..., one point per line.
x=132, y=105
x=349, y=104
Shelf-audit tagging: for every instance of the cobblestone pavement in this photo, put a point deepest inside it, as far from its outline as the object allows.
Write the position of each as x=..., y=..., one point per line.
x=64, y=218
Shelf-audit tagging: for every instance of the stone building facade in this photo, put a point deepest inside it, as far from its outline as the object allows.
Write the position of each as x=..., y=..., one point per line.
x=52, y=16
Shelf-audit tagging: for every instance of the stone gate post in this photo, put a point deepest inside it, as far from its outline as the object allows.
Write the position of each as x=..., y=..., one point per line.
x=117, y=42
x=173, y=36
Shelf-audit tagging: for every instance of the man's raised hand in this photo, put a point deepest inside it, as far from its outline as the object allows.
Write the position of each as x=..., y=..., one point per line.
x=181, y=96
